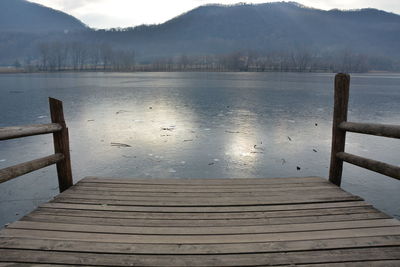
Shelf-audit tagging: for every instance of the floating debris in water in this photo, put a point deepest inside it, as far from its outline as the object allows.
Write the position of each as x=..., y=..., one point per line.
x=207, y=129
x=90, y=120
x=211, y=163
x=259, y=148
x=41, y=117
x=120, y=145
x=283, y=161
x=150, y=107
x=121, y=111
x=216, y=160
x=171, y=170
x=188, y=140
x=232, y=132
x=298, y=168
x=315, y=150
x=316, y=124
x=170, y=128
x=290, y=139
x=129, y=157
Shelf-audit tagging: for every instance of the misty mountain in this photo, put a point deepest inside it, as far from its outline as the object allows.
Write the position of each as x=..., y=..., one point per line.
x=271, y=28
x=24, y=16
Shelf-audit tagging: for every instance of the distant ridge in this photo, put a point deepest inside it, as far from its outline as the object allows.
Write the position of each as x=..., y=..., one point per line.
x=272, y=32
x=24, y=16
x=266, y=27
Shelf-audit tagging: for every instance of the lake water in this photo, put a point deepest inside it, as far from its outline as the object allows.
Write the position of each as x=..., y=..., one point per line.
x=196, y=125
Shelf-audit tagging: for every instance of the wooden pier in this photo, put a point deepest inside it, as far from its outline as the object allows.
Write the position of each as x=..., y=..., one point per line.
x=307, y=221
x=196, y=222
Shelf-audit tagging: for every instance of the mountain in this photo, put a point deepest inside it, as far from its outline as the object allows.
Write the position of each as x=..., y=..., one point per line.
x=279, y=32
x=24, y=16
x=270, y=26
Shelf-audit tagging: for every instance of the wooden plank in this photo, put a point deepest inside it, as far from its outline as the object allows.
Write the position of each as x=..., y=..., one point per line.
x=248, y=193
x=201, y=239
x=201, y=197
x=12, y=172
x=207, y=202
x=100, y=207
x=209, y=190
x=202, y=181
x=324, y=256
x=209, y=216
x=202, y=223
x=197, y=249
x=190, y=230
x=7, y=133
x=199, y=188
x=373, y=165
x=61, y=145
x=341, y=96
x=385, y=130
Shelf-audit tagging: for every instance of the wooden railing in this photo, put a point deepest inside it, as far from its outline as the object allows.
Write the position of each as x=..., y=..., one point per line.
x=61, y=157
x=341, y=126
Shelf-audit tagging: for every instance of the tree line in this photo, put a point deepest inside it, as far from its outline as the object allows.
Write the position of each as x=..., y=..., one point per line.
x=80, y=56
x=77, y=56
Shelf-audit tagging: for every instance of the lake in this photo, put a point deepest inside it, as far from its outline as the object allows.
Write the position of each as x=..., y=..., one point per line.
x=196, y=125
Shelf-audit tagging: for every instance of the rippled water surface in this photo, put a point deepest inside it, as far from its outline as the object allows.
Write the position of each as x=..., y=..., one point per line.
x=196, y=125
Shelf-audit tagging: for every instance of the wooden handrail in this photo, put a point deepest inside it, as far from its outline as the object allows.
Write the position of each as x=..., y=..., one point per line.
x=385, y=130
x=28, y=130
x=27, y=167
x=373, y=165
x=61, y=147
x=339, y=128
x=341, y=98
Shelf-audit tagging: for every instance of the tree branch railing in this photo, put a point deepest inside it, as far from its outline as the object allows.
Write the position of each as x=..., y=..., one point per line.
x=341, y=126
x=61, y=157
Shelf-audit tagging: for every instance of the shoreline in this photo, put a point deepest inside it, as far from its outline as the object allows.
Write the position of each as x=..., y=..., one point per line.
x=15, y=71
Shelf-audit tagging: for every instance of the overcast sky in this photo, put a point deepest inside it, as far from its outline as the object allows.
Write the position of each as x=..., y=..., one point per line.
x=125, y=13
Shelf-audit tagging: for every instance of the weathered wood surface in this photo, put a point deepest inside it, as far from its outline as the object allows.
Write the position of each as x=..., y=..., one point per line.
x=61, y=145
x=210, y=222
x=27, y=167
x=341, y=100
x=373, y=165
x=385, y=130
x=28, y=130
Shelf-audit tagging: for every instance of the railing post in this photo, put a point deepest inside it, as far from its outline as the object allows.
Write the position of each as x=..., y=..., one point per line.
x=342, y=84
x=61, y=145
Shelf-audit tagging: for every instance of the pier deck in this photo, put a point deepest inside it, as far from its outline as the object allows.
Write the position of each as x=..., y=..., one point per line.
x=203, y=222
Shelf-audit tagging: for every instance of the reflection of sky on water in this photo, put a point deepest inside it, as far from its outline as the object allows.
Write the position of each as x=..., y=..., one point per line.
x=198, y=125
